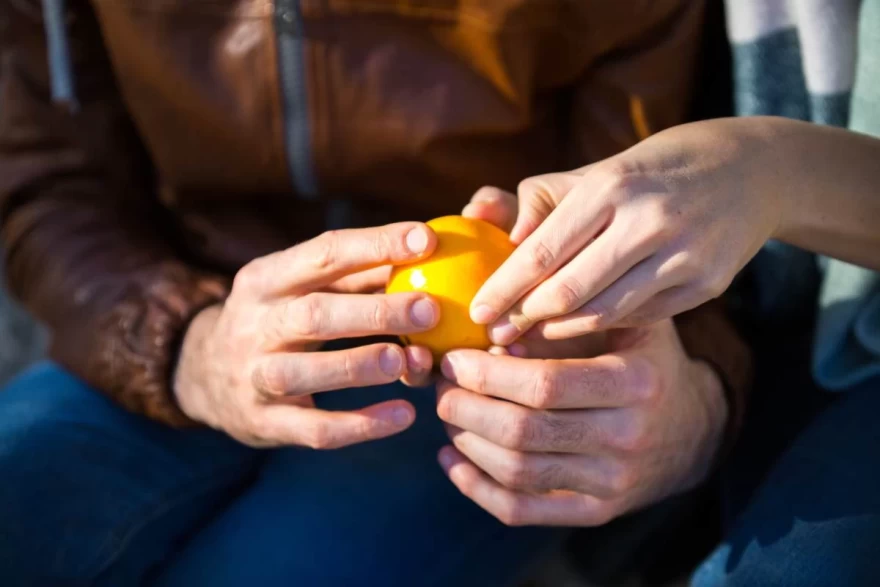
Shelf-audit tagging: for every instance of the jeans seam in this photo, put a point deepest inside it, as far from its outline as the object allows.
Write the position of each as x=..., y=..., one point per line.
x=146, y=515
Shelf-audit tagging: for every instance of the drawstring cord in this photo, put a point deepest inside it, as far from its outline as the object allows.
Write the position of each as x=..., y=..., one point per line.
x=58, y=45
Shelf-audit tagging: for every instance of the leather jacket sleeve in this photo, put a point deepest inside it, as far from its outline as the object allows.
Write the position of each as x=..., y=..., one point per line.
x=87, y=247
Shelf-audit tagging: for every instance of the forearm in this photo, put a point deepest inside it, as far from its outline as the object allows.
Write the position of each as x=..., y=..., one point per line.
x=828, y=182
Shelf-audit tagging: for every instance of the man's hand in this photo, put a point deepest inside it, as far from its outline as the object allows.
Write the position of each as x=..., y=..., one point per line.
x=578, y=442
x=249, y=368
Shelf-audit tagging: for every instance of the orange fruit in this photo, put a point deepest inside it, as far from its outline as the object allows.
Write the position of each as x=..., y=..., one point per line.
x=468, y=252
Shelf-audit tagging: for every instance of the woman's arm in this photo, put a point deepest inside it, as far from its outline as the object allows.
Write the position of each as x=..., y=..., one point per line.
x=87, y=248
x=667, y=224
x=829, y=182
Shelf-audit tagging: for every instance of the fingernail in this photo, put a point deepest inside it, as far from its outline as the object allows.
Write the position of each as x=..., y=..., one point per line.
x=517, y=350
x=482, y=314
x=445, y=457
x=468, y=210
x=422, y=313
x=390, y=362
x=417, y=240
x=503, y=333
x=447, y=367
x=484, y=199
x=401, y=416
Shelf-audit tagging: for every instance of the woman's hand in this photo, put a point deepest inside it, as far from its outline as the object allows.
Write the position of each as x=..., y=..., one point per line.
x=645, y=235
x=667, y=224
x=250, y=367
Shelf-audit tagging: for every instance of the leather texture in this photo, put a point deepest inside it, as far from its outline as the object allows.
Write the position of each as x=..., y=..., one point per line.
x=123, y=219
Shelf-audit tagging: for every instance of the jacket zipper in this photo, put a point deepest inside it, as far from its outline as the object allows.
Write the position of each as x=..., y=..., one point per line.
x=291, y=64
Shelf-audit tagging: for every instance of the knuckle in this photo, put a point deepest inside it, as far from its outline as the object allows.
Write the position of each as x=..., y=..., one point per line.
x=540, y=257
x=633, y=437
x=512, y=511
x=529, y=186
x=546, y=389
x=304, y=316
x=246, y=278
x=317, y=436
x=382, y=315
x=615, y=177
x=383, y=245
x=327, y=251
x=566, y=296
x=646, y=380
x=269, y=378
x=620, y=480
x=480, y=378
x=518, y=431
x=712, y=286
x=349, y=368
x=517, y=472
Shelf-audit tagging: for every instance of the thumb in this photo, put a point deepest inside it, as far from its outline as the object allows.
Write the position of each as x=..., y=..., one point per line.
x=538, y=196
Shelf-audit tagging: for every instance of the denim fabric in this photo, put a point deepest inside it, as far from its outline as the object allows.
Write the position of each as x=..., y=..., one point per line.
x=92, y=495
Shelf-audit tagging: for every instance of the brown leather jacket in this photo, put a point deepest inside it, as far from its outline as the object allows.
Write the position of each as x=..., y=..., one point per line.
x=209, y=132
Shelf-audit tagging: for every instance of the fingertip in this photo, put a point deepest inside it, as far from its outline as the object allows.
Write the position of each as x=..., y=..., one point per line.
x=498, y=351
x=447, y=366
x=503, y=332
x=517, y=350
x=488, y=194
x=424, y=312
x=448, y=457
x=419, y=240
x=482, y=313
x=392, y=361
x=472, y=210
x=419, y=363
x=397, y=414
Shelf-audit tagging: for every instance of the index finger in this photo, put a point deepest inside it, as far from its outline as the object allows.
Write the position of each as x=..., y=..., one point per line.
x=561, y=235
x=607, y=381
x=337, y=253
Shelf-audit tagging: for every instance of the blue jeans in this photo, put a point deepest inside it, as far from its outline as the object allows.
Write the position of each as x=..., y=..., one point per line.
x=814, y=517
x=92, y=495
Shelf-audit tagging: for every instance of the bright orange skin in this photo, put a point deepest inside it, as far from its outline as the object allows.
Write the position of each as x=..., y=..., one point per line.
x=468, y=252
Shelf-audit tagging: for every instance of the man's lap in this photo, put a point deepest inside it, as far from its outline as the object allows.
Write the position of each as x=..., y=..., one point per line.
x=380, y=513
x=98, y=494
x=93, y=492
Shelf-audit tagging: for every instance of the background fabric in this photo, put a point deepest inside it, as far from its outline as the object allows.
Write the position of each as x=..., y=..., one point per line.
x=815, y=60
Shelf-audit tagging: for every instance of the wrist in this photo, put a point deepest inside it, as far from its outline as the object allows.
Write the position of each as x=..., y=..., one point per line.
x=766, y=174
x=189, y=372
